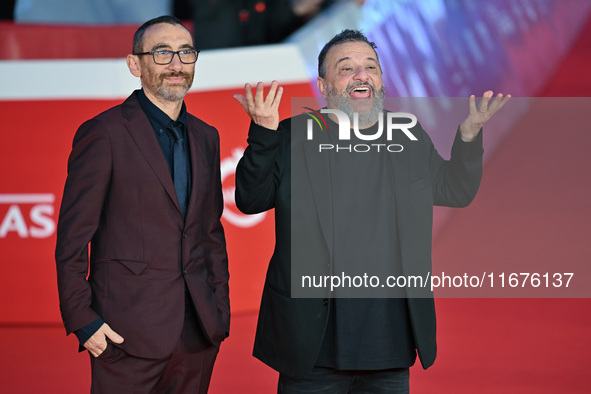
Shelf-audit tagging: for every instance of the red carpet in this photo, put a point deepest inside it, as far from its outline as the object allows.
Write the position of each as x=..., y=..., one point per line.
x=529, y=207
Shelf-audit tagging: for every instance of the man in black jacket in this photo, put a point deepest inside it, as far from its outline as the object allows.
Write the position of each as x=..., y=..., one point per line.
x=350, y=344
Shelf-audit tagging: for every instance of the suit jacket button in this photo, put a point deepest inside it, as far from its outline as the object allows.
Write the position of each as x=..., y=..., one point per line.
x=184, y=235
x=325, y=302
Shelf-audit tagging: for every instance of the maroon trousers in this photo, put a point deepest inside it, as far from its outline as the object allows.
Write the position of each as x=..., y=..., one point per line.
x=187, y=370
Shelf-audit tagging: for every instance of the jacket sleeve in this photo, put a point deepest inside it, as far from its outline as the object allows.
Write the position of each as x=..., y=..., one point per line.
x=456, y=181
x=259, y=170
x=87, y=183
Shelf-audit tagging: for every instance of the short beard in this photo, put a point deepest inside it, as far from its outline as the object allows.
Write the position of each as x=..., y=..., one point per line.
x=343, y=103
x=158, y=86
x=177, y=93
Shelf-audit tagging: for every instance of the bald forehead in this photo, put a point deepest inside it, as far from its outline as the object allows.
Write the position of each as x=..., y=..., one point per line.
x=166, y=35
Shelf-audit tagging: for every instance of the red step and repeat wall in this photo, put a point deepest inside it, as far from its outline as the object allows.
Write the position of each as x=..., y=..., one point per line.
x=427, y=49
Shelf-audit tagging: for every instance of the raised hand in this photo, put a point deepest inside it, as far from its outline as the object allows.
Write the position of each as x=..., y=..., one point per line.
x=263, y=111
x=479, y=116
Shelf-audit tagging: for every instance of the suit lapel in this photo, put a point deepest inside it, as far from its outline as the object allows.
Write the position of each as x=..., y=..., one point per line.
x=318, y=171
x=199, y=164
x=142, y=133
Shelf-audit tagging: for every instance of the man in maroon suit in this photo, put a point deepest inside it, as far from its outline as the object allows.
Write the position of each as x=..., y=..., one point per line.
x=151, y=302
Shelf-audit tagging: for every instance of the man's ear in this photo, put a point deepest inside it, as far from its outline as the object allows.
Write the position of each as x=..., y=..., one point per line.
x=133, y=63
x=322, y=88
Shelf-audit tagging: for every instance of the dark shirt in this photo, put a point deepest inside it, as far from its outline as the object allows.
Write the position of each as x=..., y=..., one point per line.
x=159, y=121
x=365, y=333
x=86, y=332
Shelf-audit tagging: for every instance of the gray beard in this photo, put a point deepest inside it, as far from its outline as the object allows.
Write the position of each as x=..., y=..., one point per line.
x=171, y=95
x=343, y=103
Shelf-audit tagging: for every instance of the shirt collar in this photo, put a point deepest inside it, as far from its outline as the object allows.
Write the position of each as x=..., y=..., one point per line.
x=156, y=116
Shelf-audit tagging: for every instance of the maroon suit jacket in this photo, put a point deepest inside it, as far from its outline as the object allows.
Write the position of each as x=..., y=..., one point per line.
x=119, y=197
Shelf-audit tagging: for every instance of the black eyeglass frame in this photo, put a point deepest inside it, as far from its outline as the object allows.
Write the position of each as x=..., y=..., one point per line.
x=153, y=53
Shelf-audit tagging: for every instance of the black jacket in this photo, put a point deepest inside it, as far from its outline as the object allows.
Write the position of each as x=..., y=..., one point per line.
x=290, y=330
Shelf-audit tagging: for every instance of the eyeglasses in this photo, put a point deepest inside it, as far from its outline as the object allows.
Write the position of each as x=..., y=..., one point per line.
x=186, y=56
